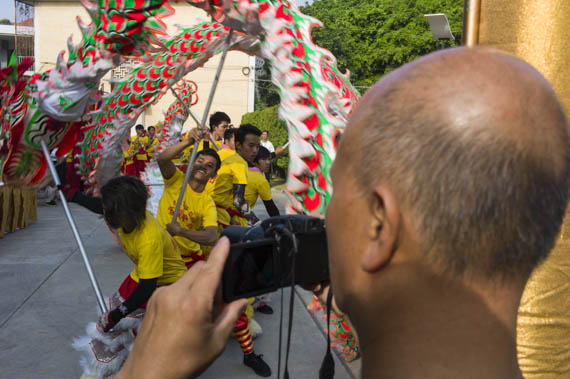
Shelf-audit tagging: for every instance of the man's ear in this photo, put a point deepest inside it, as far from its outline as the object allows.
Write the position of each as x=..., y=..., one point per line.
x=383, y=229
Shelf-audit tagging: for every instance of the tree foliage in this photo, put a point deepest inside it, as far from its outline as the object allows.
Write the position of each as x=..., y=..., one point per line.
x=372, y=38
x=5, y=21
x=368, y=38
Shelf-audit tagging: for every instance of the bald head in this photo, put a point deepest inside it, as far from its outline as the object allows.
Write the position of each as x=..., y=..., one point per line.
x=475, y=144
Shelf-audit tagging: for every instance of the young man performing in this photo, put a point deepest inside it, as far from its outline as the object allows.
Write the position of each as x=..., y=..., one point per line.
x=152, y=143
x=128, y=166
x=137, y=150
x=157, y=262
x=197, y=221
x=226, y=149
x=219, y=122
x=257, y=184
x=229, y=146
x=148, y=245
x=230, y=184
x=229, y=189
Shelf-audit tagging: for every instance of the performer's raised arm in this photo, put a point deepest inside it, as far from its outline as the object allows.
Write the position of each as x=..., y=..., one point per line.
x=167, y=167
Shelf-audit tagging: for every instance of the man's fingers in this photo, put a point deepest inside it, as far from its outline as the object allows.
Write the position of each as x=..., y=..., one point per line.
x=226, y=320
x=187, y=280
x=212, y=271
x=219, y=254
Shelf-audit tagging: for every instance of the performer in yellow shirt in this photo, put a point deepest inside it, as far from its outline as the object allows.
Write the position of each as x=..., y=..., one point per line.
x=229, y=146
x=128, y=167
x=197, y=221
x=152, y=142
x=156, y=258
x=226, y=149
x=203, y=170
x=219, y=122
x=257, y=184
x=138, y=144
x=229, y=188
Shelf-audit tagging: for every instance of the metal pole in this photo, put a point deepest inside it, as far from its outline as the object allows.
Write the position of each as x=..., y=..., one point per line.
x=464, y=21
x=473, y=15
x=192, y=114
x=203, y=124
x=69, y=216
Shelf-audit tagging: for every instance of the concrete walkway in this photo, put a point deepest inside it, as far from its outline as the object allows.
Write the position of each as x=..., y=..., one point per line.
x=46, y=301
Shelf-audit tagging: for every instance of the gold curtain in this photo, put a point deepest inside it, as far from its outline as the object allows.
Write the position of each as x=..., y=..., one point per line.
x=18, y=207
x=538, y=31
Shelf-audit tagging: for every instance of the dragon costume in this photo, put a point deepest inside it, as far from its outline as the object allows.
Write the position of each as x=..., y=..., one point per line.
x=316, y=98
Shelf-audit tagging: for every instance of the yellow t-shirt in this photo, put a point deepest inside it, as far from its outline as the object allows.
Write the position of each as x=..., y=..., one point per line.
x=143, y=141
x=151, y=150
x=257, y=185
x=224, y=153
x=188, y=151
x=233, y=171
x=127, y=153
x=153, y=251
x=198, y=211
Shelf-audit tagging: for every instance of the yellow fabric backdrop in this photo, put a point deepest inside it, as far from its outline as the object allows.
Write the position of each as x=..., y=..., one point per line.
x=18, y=207
x=538, y=31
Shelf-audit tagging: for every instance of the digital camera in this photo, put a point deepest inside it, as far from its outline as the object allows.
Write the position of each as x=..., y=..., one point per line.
x=282, y=251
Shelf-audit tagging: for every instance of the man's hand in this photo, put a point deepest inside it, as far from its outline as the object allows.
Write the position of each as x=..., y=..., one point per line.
x=174, y=229
x=195, y=135
x=279, y=151
x=105, y=322
x=182, y=332
x=251, y=218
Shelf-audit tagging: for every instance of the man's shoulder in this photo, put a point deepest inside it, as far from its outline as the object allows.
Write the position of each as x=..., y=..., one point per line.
x=256, y=176
x=150, y=224
x=149, y=232
x=234, y=159
x=175, y=181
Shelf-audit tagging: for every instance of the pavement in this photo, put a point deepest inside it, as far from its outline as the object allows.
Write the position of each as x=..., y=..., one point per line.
x=46, y=301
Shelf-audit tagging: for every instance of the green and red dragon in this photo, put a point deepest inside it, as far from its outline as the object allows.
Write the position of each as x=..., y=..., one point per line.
x=316, y=98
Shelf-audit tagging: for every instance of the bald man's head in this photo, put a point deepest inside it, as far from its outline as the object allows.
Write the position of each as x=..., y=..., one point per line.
x=475, y=143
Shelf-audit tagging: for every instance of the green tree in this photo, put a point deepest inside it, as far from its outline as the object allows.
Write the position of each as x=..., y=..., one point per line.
x=5, y=21
x=372, y=38
x=369, y=38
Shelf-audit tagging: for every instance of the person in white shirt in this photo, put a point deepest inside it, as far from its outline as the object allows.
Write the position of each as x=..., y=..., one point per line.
x=265, y=141
x=275, y=153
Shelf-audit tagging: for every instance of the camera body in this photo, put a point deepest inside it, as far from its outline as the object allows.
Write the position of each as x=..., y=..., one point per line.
x=282, y=251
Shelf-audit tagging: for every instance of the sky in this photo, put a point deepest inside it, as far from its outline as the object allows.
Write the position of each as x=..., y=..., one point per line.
x=7, y=9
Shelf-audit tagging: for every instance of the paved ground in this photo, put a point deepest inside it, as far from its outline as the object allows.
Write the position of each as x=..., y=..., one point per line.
x=46, y=301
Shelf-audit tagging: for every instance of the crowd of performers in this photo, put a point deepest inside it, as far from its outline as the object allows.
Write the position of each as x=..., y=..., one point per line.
x=223, y=188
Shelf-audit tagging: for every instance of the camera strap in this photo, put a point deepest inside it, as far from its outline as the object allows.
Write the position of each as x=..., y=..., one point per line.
x=291, y=305
x=327, y=367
